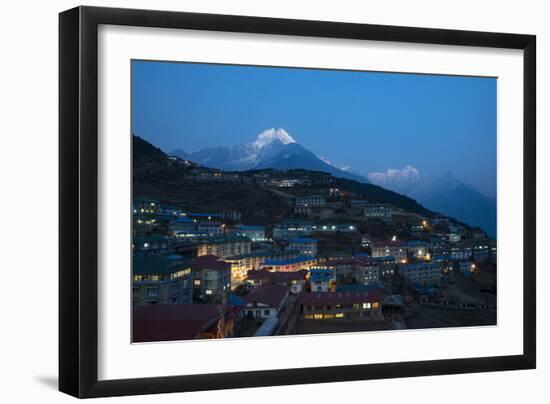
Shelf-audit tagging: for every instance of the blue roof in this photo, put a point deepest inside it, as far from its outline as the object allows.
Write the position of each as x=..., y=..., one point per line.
x=206, y=214
x=288, y=261
x=183, y=219
x=385, y=258
x=357, y=288
x=249, y=227
x=320, y=274
x=302, y=240
x=414, y=266
x=413, y=243
x=235, y=300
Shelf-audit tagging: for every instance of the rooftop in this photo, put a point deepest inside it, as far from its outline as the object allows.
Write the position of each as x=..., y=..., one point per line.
x=388, y=243
x=302, y=240
x=340, y=297
x=226, y=239
x=320, y=274
x=264, y=253
x=249, y=227
x=289, y=261
x=209, y=262
x=170, y=322
x=270, y=294
x=157, y=264
x=274, y=276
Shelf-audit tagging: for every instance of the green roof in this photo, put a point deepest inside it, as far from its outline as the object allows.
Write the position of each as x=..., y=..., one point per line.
x=265, y=253
x=157, y=264
x=224, y=239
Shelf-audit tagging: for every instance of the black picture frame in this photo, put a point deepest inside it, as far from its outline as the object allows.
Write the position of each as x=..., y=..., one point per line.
x=78, y=201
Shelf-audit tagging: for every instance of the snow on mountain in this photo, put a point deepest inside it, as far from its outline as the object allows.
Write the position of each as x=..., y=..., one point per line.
x=272, y=148
x=271, y=135
x=445, y=194
x=398, y=180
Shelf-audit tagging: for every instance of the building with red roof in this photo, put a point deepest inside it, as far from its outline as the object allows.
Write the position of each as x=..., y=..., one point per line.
x=265, y=301
x=173, y=322
x=294, y=280
x=342, y=305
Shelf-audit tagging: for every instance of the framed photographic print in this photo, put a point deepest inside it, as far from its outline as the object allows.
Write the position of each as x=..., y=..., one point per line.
x=251, y=201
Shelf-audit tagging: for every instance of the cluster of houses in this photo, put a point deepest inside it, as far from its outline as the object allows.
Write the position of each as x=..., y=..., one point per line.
x=196, y=275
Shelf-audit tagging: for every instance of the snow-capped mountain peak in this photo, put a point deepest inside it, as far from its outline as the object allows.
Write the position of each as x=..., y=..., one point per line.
x=409, y=175
x=399, y=180
x=270, y=135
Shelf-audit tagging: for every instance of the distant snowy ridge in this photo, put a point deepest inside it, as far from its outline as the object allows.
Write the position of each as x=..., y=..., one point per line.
x=445, y=194
x=396, y=179
x=271, y=135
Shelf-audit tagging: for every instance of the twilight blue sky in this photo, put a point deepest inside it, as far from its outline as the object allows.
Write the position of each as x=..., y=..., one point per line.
x=368, y=121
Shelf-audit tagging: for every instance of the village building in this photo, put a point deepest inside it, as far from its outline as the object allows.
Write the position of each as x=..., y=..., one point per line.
x=256, y=234
x=289, y=265
x=211, y=229
x=367, y=272
x=422, y=273
x=397, y=249
x=293, y=280
x=211, y=279
x=321, y=279
x=232, y=215
x=360, y=203
x=205, y=217
x=183, y=227
x=342, y=267
x=454, y=237
x=466, y=267
x=378, y=211
x=173, y=322
x=313, y=201
x=304, y=245
x=241, y=264
x=285, y=182
x=149, y=245
x=225, y=246
x=265, y=301
x=335, y=228
x=302, y=210
x=460, y=252
x=419, y=249
x=290, y=228
x=342, y=305
x=144, y=205
x=161, y=280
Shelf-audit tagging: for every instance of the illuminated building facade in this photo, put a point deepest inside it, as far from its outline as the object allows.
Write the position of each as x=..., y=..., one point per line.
x=161, y=280
x=225, y=246
x=342, y=306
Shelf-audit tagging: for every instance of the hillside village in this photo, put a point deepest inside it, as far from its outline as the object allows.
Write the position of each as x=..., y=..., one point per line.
x=220, y=254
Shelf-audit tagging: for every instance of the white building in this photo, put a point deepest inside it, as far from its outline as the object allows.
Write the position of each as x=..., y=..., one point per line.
x=313, y=201
x=254, y=233
x=396, y=249
x=378, y=211
x=422, y=273
x=305, y=245
x=265, y=301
